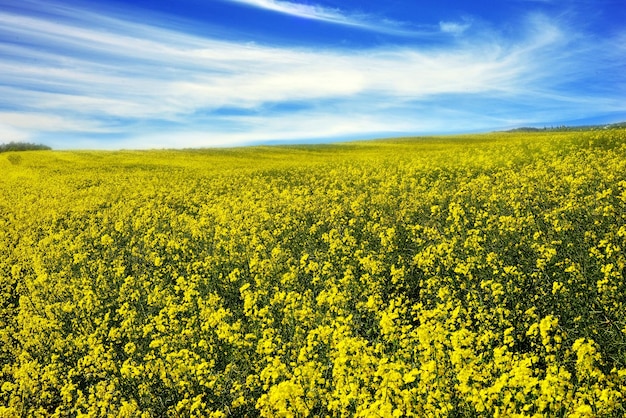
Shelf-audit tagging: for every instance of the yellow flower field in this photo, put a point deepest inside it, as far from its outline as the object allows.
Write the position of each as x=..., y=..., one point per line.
x=469, y=276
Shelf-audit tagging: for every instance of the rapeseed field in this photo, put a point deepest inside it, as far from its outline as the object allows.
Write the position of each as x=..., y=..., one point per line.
x=470, y=276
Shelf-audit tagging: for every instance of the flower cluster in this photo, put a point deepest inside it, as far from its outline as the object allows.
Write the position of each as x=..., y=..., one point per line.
x=468, y=276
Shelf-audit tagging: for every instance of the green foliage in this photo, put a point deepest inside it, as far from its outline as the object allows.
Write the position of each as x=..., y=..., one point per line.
x=22, y=146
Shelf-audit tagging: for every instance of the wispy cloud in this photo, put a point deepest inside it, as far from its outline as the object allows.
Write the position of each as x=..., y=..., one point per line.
x=335, y=16
x=86, y=75
x=455, y=28
x=303, y=10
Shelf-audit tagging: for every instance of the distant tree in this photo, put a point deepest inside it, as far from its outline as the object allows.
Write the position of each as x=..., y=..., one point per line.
x=22, y=146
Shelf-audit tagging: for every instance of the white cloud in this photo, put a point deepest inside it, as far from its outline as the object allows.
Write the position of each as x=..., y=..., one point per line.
x=9, y=133
x=95, y=74
x=455, y=28
x=118, y=74
x=332, y=15
x=21, y=121
x=301, y=10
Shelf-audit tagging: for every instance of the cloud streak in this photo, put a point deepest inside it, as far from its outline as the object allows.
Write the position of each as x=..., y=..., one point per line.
x=304, y=11
x=454, y=28
x=86, y=75
x=335, y=16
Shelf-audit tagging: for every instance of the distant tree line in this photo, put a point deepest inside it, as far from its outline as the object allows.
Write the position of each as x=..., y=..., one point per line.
x=564, y=128
x=22, y=146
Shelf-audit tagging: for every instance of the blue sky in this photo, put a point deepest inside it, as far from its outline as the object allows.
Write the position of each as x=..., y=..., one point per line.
x=194, y=73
